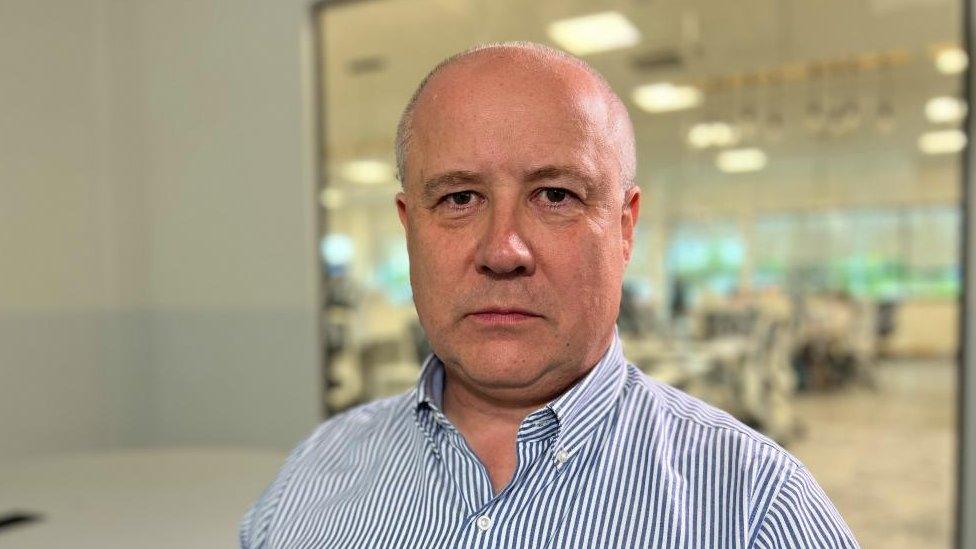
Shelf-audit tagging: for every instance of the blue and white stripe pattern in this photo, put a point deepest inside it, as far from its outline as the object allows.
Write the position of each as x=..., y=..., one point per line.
x=619, y=460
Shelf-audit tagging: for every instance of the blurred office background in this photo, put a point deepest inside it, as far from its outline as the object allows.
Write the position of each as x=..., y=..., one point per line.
x=201, y=258
x=798, y=254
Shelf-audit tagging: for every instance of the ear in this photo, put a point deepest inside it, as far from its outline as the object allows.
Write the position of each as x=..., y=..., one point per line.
x=401, y=203
x=628, y=219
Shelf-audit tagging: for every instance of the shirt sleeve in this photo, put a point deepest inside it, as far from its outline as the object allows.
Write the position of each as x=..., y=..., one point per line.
x=253, y=529
x=801, y=516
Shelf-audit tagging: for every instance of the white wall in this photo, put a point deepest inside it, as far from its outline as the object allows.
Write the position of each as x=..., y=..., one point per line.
x=158, y=281
x=60, y=362
x=216, y=132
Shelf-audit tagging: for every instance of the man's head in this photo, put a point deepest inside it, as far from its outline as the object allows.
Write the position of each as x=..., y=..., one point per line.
x=517, y=165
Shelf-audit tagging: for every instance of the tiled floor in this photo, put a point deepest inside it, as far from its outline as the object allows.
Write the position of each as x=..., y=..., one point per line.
x=887, y=456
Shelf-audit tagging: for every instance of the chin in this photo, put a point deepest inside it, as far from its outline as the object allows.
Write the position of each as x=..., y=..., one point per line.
x=502, y=364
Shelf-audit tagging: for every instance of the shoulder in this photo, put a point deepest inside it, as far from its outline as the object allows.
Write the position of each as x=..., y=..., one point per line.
x=360, y=423
x=694, y=439
x=680, y=412
x=785, y=505
x=335, y=443
x=799, y=514
x=343, y=432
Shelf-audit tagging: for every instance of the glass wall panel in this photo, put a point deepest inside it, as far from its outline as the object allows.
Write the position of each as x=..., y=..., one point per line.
x=803, y=199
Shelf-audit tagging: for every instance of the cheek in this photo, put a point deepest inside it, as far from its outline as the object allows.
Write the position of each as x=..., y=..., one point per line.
x=436, y=256
x=589, y=273
x=434, y=271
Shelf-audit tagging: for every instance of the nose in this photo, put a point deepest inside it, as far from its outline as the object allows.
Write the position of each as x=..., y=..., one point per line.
x=502, y=251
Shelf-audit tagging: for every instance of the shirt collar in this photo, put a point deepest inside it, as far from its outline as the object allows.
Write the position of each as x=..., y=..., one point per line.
x=430, y=387
x=577, y=411
x=581, y=408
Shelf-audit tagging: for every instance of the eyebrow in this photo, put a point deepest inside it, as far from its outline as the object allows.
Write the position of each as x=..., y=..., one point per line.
x=559, y=172
x=455, y=178
x=433, y=186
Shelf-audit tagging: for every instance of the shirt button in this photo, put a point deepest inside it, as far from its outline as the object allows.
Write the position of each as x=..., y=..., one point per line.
x=484, y=523
x=562, y=456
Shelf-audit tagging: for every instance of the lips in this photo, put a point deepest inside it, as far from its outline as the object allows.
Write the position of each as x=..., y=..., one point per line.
x=502, y=316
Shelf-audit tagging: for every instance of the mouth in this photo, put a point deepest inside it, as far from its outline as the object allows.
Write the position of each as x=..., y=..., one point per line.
x=502, y=316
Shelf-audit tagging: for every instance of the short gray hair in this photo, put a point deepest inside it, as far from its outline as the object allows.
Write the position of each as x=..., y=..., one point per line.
x=619, y=119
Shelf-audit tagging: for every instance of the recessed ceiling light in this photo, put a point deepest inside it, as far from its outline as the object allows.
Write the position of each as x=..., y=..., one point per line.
x=951, y=60
x=712, y=134
x=666, y=97
x=741, y=160
x=367, y=171
x=942, y=142
x=945, y=109
x=604, y=31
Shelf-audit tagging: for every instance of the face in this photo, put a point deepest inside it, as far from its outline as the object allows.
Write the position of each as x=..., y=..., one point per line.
x=517, y=226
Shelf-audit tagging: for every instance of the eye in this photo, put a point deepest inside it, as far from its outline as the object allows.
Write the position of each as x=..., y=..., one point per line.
x=460, y=202
x=555, y=195
x=555, y=198
x=462, y=198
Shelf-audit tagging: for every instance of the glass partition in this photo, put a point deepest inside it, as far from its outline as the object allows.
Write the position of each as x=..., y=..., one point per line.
x=801, y=176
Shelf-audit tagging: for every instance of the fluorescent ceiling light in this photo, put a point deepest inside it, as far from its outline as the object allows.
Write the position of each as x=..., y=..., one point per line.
x=945, y=109
x=712, y=134
x=942, y=142
x=951, y=60
x=367, y=171
x=741, y=160
x=666, y=97
x=594, y=33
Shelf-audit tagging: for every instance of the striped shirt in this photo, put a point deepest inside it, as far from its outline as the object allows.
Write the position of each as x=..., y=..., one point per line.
x=618, y=460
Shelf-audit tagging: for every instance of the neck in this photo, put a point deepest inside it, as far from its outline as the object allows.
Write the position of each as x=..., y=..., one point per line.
x=489, y=420
x=471, y=409
x=488, y=424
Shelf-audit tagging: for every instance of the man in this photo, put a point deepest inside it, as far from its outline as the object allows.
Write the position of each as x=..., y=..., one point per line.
x=527, y=427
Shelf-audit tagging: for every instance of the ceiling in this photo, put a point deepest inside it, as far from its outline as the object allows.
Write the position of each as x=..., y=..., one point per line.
x=766, y=57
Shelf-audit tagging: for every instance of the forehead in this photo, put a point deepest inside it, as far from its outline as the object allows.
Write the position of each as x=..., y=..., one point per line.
x=520, y=110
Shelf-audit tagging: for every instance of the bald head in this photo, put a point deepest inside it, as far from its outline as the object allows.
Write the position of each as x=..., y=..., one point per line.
x=544, y=63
